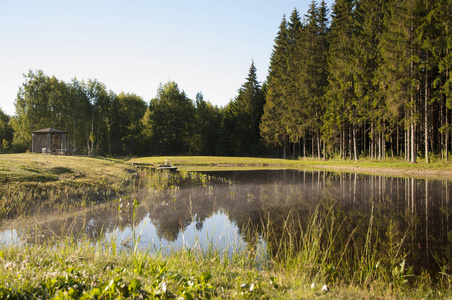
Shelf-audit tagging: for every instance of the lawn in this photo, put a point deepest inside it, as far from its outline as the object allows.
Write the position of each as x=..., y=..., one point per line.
x=390, y=167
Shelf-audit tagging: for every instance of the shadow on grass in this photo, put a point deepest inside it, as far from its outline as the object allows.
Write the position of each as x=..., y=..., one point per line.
x=61, y=170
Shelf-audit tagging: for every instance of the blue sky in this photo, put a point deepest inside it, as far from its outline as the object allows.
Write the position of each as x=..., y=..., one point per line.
x=134, y=45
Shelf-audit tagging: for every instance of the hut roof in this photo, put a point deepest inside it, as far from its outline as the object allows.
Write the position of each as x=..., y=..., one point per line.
x=49, y=130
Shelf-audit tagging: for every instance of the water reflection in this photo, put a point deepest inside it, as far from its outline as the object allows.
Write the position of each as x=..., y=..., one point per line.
x=231, y=214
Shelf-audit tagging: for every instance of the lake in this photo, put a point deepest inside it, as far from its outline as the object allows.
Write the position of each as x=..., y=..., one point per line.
x=235, y=211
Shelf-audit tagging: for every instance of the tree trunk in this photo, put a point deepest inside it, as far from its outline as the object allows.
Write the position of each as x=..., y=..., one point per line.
x=397, y=141
x=318, y=144
x=447, y=123
x=379, y=144
x=406, y=145
x=413, y=111
x=447, y=135
x=341, y=150
x=441, y=125
x=299, y=145
x=284, y=148
x=426, y=115
x=304, y=144
x=350, y=141
x=372, y=142
x=413, y=142
x=355, y=144
x=364, y=139
x=312, y=145
x=383, y=142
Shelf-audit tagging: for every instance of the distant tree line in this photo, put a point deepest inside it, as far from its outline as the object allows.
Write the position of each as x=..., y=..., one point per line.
x=370, y=79
x=100, y=122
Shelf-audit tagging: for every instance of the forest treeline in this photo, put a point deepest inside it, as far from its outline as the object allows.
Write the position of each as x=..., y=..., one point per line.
x=100, y=122
x=370, y=78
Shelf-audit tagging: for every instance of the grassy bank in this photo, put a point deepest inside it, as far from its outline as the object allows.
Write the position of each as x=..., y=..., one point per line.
x=34, y=182
x=389, y=167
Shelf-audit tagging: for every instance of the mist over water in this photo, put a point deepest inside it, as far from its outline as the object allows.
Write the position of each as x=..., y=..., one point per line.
x=234, y=214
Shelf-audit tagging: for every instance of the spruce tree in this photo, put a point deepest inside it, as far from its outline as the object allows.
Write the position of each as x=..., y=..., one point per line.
x=293, y=99
x=250, y=103
x=272, y=126
x=427, y=35
x=341, y=111
x=398, y=73
x=369, y=29
x=314, y=71
x=441, y=15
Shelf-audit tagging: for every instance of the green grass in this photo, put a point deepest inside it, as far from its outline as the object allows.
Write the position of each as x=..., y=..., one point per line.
x=63, y=169
x=389, y=167
x=32, y=183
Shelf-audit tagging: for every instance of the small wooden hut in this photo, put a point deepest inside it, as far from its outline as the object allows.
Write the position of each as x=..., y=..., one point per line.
x=49, y=141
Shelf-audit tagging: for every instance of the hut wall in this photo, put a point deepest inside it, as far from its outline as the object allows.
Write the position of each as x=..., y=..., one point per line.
x=39, y=141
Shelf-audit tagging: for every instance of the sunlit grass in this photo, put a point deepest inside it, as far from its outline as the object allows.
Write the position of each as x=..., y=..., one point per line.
x=437, y=169
x=54, y=168
x=36, y=182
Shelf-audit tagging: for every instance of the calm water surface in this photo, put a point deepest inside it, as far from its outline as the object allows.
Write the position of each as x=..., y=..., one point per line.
x=223, y=213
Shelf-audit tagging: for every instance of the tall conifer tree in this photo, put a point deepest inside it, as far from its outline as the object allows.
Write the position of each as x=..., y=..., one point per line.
x=340, y=95
x=369, y=29
x=293, y=100
x=398, y=74
x=441, y=15
x=314, y=70
x=272, y=124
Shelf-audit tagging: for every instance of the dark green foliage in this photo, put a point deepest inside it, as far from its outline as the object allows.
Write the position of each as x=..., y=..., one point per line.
x=6, y=133
x=342, y=103
x=126, y=126
x=99, y=109
x=37, y=106
x=272, y=127
x=242, y=118
x=206, y=127
x=168, y=121
x=313, y=78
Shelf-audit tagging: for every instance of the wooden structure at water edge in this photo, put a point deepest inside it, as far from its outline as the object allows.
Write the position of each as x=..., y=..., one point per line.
x=166, y=166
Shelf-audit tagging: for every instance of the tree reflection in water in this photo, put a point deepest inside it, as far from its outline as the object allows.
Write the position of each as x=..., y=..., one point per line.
x=253, y=202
